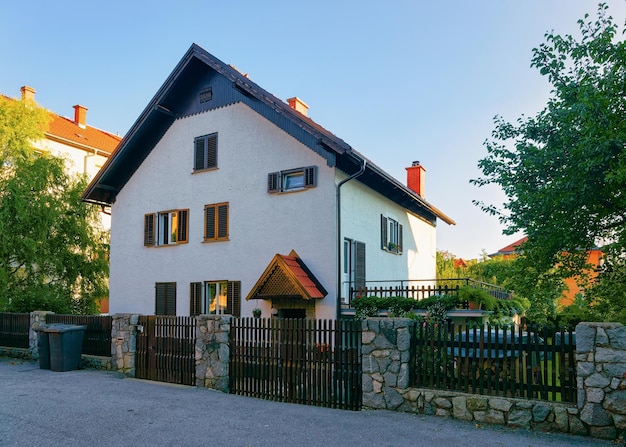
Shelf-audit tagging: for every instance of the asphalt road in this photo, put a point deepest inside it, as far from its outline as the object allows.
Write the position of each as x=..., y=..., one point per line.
x=98, y=408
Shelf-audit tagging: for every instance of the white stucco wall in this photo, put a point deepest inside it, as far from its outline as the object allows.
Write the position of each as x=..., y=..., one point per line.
x=261, y=224
x=361, y=210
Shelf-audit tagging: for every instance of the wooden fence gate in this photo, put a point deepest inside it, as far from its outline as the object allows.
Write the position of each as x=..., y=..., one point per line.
x=165, y=349
x=311, y=362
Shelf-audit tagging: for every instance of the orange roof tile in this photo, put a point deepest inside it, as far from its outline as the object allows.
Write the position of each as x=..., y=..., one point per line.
x=70, y=132
x=512, y=248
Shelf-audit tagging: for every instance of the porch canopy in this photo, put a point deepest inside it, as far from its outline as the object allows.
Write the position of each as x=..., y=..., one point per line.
x=287, y=277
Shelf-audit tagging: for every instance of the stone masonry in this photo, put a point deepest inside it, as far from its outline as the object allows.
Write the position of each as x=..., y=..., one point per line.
x=601, y=408
x=213, y=351
x=124, y=342
x=601, y=376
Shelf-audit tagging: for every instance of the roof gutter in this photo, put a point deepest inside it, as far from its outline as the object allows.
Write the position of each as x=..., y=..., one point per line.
x=339, y=241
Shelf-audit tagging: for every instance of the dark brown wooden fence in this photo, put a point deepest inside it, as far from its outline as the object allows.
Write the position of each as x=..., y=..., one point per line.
x=311, y=362
x=97, y=336
x=14, y=329
x=536, y=363
x=166, y=349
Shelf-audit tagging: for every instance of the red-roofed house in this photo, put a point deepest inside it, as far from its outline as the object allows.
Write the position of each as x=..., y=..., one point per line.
x=218, y=176
x=85, y=147
x=594, y=258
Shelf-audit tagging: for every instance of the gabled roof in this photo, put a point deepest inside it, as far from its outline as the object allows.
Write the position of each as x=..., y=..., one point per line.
x=67, y=131
x=200, y=73
x=287, y=277
x=512, y=248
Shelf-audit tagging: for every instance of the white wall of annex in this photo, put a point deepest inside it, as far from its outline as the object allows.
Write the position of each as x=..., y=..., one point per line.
x=361, y=210
x=261, y=224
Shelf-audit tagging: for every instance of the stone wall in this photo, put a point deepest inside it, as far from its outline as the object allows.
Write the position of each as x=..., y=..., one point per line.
x=124, y=342
x=601, y=377
x=601, y=369
x=213, y=351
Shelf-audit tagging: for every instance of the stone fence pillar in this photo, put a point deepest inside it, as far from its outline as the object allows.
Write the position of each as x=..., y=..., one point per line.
x=124, y=343
x=213, y=351
x=386, y=353
x=601, y=376
x=37, y=319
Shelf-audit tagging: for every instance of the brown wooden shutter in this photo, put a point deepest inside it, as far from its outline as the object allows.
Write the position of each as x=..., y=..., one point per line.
x=195, y=298
x=222, y=221
x=359, y=264
x=209, y=222
x=310, y=177
x=211, y=151
x=183, y=226
x=273, y=184
x=233, y=301
x=165, y=302
x=383, y=232
x=400, y=238
x=199, y=153
x=148, y=229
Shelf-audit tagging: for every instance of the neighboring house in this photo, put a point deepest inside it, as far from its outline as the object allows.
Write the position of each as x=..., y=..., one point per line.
x=594, y=259
x=84, y=147
x=224, y=198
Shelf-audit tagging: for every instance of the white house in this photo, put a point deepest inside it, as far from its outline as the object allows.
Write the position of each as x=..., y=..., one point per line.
x=225, y=198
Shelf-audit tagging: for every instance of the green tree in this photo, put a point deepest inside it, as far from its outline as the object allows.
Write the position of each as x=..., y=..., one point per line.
x=563, y=171
x=53, y=250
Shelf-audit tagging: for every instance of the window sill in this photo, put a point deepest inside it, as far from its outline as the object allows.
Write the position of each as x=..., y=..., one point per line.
x=200, y=171
x=210, y=241
x=392, y=252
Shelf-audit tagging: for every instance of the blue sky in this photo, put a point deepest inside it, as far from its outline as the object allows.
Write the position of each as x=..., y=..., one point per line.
x=397, y=80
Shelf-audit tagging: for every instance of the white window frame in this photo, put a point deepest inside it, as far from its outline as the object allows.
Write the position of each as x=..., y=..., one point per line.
x=214, y=297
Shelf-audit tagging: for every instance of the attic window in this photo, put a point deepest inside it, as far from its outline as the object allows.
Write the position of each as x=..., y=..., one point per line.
x=206, y=95
x=292, y=180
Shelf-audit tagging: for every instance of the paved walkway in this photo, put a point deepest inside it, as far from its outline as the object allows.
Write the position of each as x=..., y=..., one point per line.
x=98, y=408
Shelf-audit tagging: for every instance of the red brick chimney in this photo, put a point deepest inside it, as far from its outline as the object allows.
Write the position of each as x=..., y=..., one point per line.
x=80, y=115
x=298, y=105
x=415, y=178
x=28, y=93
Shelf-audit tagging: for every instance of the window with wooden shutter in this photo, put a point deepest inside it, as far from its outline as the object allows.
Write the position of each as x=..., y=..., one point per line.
x=166, y=228
x=205, y=152
x=391, y=237
x=310, y=177
x=148, y=229
x=165, y=298
x=273, y=182
x=183, y=226
x=195, y=298
x=292, y=180
x=233, y=303
x=216, y=222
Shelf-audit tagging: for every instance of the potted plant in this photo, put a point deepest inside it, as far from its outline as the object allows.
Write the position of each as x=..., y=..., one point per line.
x=477, y=298
x=256, y=312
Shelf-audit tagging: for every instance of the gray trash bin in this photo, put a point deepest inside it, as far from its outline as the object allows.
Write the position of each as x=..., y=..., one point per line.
x=66, y=344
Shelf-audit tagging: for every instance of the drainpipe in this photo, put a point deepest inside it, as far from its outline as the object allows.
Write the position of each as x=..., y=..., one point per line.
x=339, y=240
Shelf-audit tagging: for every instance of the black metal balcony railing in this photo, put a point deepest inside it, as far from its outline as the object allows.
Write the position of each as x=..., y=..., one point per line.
x=418, y=289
